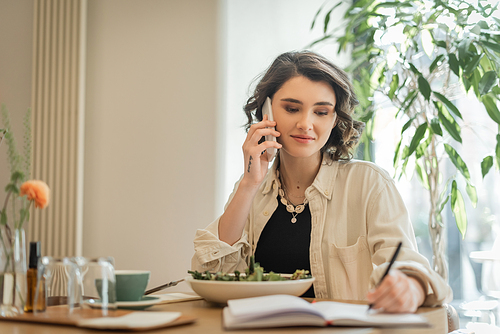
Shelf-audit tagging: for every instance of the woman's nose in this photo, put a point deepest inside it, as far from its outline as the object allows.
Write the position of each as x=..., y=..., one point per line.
x=305, y=122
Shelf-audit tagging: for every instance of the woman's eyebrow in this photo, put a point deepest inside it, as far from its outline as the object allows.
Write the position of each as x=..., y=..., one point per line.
x=291, y=100
x=325, y=103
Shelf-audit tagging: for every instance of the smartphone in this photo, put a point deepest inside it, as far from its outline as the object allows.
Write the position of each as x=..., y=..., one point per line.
x=267, y=110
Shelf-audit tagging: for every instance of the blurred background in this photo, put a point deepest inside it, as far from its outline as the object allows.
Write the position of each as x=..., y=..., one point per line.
x=154, y=126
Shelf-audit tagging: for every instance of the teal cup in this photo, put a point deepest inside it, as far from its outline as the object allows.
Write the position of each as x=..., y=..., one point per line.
x=131, y=284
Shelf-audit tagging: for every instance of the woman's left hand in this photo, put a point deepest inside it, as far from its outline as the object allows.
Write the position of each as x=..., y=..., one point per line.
x=398, y=293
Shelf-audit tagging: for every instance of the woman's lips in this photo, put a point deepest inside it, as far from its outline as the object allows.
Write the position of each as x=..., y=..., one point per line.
x=303, y=139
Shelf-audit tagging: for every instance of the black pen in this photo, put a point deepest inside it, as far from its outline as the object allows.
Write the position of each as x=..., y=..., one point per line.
x=389, y=266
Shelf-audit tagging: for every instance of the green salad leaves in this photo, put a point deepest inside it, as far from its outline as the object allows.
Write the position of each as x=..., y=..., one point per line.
x=254, y=273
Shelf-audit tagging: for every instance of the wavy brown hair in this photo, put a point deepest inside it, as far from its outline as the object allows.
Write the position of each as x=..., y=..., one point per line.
x=345, y=135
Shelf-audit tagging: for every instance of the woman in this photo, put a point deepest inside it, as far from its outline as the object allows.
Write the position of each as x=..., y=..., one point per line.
x=316, y=208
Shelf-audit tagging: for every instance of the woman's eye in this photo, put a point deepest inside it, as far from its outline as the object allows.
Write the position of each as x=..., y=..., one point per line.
x=321, y=113
x=291, y=109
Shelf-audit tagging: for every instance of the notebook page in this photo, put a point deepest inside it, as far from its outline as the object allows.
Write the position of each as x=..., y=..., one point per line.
x=352, y=314
x=249, y=308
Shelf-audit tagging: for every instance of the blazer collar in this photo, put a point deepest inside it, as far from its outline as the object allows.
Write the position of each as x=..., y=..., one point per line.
x=323, y=183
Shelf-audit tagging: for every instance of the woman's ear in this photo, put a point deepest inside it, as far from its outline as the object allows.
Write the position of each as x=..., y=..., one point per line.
x=335, y=123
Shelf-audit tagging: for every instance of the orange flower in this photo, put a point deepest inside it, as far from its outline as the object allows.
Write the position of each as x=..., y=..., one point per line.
x=37, y=191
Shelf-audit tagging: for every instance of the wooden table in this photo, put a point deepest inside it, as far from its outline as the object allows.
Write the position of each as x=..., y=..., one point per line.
x=209, y=322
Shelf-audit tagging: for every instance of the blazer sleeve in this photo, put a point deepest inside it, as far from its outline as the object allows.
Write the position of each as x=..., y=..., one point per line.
x=215, y=255
x=388, y=224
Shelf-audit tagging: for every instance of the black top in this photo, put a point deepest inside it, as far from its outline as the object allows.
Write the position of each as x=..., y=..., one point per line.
x=283, y=246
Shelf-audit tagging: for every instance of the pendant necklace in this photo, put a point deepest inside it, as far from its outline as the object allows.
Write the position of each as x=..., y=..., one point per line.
x=294, y=210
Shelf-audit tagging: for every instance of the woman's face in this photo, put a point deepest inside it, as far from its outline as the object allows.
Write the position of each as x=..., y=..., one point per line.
x=304, y=112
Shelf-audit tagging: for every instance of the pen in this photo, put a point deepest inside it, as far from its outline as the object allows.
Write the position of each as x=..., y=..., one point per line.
x=389, y=266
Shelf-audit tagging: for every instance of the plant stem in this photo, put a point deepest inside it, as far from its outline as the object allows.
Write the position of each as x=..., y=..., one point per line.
x=6, y=201
x=23, y=217
x=7, y=255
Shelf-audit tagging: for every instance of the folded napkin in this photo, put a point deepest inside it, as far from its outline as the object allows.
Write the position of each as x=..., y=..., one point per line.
x=139, y=320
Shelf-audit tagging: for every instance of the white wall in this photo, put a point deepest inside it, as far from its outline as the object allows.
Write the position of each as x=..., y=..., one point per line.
x=16, y=44
x=150, y=131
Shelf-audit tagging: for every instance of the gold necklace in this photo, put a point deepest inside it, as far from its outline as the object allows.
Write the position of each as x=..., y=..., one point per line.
x=294, y=210
x=288, y=195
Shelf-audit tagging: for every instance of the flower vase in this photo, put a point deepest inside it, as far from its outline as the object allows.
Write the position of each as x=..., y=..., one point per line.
x=12, y=271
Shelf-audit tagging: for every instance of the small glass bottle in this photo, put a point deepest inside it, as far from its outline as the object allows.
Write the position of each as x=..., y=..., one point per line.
x=32, y=280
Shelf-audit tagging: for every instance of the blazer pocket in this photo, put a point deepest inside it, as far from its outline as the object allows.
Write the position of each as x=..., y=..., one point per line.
x=351, y=253
x=350, y=270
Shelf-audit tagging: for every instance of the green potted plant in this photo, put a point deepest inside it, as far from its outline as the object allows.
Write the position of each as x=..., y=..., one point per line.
x=20, y=194
x=417, y=56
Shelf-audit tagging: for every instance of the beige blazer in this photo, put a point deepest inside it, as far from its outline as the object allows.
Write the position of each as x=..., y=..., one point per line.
x=358, y=218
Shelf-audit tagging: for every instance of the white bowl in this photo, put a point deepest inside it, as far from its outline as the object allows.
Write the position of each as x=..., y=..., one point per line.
x=222, y=291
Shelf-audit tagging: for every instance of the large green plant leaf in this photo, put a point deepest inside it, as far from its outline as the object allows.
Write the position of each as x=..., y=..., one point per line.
x=424, y=87
x=327, y=20
x=454, y=65
x=443, y=203
x=491, y=108
x=417, y=138
x=472, y=64
x=392, y=4
x=457, y=161
x=440, y=43
x=414, y=69
x=322, y=39
x=467, y=83
x=449, y=105
x=436, y=127
x=407, y=125
x=449, y=123
x=486, y=165
x=462, y=168
x=463, y=52
x=408, y=102
x=492, y=46
x=458, y=208
x=488, y=80
x=486, y=64
x=472, y=193
x=316, y=16
x=422, y=175
x=435, y=63
x=476, y=30
x=475, y=78
x=422, y=147
x=394, y=85
x=396, y=153
x=497, y=150
x=11, y=187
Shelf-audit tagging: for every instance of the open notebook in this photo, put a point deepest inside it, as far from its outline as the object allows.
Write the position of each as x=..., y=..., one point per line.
x=288, y=311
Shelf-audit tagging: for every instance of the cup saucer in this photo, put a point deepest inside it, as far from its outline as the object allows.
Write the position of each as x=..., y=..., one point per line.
x=145, y=302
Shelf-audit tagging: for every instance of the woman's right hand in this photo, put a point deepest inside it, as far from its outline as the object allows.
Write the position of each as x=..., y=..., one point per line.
x=255, y=157
x=232, y=222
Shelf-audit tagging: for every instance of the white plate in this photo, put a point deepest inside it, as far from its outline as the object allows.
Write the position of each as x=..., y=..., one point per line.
x=222, y=291
x=146, y=302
